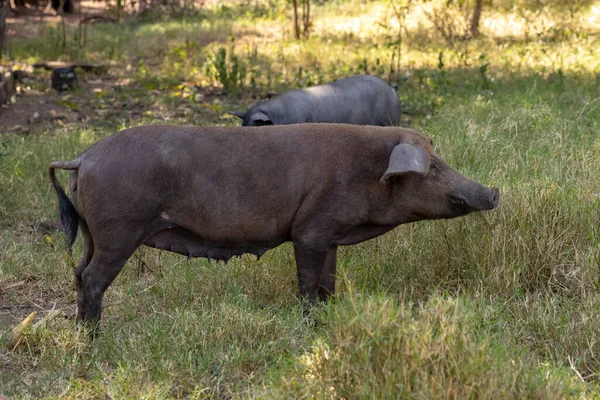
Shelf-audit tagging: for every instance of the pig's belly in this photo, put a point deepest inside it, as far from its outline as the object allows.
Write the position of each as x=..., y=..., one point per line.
x=362, y=233
x=182, y=241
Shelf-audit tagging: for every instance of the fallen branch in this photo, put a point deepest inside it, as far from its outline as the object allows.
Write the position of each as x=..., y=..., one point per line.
x=51, y=65
x=12, y=286
x=92, y=19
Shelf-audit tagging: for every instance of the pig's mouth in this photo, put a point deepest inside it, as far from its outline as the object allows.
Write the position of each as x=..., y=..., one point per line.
x=488, y=200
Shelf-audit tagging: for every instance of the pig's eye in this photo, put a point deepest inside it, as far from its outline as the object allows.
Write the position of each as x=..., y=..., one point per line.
x=434, y=166
x=457, y=201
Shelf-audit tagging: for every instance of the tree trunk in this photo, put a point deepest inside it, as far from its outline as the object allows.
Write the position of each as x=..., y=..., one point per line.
x=61, y=13
x=4, y=11
x=67, y=6
x=306, y=16
x=476, y=18
x=119, y=7
x=296, y=27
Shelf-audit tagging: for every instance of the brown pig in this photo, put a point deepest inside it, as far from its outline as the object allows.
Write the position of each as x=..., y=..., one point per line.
x=221, y=192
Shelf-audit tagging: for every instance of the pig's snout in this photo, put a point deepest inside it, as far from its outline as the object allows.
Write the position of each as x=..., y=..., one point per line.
x=488, y=200
x=475, y=198
x=495, y=198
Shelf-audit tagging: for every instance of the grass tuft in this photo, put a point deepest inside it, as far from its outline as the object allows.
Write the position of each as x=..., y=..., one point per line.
x=377, y=347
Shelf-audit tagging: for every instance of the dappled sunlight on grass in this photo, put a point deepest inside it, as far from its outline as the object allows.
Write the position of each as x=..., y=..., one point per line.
x=365, y=34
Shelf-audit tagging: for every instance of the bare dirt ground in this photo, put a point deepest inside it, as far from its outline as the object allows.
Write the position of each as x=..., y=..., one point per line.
x=35, y=104
x=103, y=96
x=13, y=309
x=38, y=107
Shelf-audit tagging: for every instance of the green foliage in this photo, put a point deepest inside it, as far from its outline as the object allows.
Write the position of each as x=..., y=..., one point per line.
x=262, y=9
x=227, y=70
x=536, y=5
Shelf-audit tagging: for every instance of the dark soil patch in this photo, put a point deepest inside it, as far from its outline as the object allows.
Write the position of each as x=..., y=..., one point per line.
x=19, y=299
x=108, y=99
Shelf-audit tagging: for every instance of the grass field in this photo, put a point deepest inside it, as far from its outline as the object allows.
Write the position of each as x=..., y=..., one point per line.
x=499, y=305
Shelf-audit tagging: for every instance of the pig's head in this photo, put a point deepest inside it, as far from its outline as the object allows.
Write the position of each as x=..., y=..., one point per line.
x=427, y=187
x=252, y=118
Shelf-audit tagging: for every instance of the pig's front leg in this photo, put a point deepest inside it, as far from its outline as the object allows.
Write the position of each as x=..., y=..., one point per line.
x=327, y=283
x=310, y=262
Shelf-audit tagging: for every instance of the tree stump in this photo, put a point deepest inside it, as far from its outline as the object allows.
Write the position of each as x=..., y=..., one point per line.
x=64, y=79
x=6, y=86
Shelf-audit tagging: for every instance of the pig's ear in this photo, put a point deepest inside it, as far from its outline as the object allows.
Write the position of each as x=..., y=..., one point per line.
x=407, y=158
x=239, y=114
x=260, y=118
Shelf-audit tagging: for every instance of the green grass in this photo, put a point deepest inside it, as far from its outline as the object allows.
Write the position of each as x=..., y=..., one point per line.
x=496, y=305
x=378, y=347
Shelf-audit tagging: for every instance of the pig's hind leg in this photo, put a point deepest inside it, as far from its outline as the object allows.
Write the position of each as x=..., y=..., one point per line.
x=109, y=257
x=88, y=252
